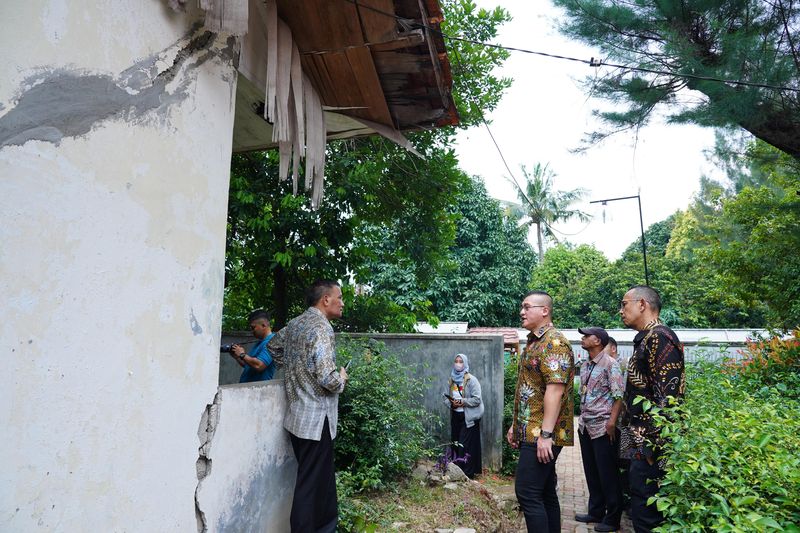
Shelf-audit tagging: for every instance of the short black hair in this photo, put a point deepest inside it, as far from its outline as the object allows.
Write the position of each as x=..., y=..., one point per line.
x=258, y=314
x=649, y=295
x=318, y=289
x=541, y=293
x=612, y=340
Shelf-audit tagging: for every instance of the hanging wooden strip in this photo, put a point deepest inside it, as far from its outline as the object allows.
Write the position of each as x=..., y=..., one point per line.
x=284, y=72
x=297, y=94
x=272, y=59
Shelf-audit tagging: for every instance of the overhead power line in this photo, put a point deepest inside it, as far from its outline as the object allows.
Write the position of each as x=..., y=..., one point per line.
x=521, y=191
x=592, y=62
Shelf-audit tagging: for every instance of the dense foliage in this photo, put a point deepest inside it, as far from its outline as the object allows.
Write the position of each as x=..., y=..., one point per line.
x=381, y=421
x=510, y=455
x=709, y=262
x=490, y=265
x=277, y=244
x=382, y=428
x=741, y=235
x=693, y=44
x=733, y=446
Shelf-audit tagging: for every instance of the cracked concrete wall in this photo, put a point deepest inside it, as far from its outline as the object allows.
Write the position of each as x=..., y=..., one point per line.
x=246, y=468
x=116, y=123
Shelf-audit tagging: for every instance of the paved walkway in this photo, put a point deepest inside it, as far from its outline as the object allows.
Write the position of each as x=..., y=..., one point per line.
x=572, y=492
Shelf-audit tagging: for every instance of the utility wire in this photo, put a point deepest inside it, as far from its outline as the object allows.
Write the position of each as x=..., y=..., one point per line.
x=521, y=191
x=592, y=62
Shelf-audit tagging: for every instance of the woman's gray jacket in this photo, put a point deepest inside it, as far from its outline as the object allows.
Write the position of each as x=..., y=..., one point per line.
x=473, y=405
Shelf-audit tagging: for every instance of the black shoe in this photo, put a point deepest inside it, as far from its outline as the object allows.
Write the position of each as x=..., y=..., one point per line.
x=605, y=527
x=586, y=518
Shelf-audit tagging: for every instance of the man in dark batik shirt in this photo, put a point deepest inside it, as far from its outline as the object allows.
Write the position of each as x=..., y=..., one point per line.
x=655, y=373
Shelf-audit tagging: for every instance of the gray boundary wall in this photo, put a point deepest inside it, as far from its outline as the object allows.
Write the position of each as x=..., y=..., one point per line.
x=431, y=356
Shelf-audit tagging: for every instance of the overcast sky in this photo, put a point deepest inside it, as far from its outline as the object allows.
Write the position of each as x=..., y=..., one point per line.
x=546, y=113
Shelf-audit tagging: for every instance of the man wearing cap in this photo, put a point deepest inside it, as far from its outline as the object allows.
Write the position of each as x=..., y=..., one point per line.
x=601, y=394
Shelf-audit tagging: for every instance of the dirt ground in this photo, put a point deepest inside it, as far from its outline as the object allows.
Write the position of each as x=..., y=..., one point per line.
x=481, y=505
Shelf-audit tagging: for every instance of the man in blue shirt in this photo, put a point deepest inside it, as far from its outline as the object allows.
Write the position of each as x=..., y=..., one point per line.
x=258, y=365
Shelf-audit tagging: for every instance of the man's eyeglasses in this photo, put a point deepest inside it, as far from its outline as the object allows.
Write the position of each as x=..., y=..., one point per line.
x=527, y=307
x=623, y=303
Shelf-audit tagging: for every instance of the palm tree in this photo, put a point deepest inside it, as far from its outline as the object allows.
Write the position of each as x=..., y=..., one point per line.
x=545, y=206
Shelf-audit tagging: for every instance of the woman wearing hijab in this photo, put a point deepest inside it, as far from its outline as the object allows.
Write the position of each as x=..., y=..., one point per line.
x=466, y=410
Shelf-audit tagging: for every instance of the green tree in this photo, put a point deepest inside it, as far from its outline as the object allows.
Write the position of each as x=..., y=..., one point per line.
x=693, y=41
x=756, y=235
x=692, y=291
x=277, y=244
x=586, y=288
x=546, y=206
x=477, y=90
x=488, y=270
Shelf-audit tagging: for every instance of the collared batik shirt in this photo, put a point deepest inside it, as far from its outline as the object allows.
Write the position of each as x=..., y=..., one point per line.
x=601, y=386
x=305, y=347
x=547, y=358
x=655, y=373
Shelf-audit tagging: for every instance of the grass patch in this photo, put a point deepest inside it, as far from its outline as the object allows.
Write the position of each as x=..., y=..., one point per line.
x=415, y=506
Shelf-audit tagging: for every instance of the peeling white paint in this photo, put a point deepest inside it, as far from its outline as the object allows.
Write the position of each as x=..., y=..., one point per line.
x=112, y=240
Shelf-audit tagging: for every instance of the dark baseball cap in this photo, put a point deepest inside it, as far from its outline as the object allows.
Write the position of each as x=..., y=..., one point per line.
x=600, y=333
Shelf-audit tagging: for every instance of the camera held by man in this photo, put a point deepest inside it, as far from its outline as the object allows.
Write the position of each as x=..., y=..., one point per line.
x=257, y=365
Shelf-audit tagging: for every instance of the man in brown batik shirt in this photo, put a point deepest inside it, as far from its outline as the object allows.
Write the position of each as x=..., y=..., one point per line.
x=543, y=413
x=655, y=374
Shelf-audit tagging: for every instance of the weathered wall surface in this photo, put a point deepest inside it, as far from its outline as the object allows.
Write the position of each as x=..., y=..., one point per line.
x=115, y=142
x=432, y=356
x=251, y=467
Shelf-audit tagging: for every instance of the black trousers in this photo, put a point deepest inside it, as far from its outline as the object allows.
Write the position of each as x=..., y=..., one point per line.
x=602, y=477
x=644, y=479
x=314, y=507
x=468, y=454
x=535, y=486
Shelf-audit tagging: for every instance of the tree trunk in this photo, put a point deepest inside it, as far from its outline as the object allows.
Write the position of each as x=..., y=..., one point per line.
x=539, y=239
x=279, y=297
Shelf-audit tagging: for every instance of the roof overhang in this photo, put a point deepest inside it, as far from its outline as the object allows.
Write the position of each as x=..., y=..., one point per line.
x=379, y=66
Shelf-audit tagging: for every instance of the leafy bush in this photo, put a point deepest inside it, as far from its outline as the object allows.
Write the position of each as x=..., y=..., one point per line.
x=381, y=419
x=510, y=455
x=733, y=450
x=355, y=514
x=769, y=364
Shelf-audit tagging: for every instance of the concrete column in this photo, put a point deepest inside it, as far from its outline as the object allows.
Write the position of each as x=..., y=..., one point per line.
x=116, y=123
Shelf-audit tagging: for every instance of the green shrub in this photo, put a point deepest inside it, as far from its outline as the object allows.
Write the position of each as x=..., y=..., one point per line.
x=769, y=365
x=356, y=515
x=733, y=451
x=381, y=419
x=510, y=455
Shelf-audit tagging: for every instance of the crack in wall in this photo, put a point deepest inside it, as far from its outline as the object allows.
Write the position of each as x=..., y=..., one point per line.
x=58, y=103
x=205, y=432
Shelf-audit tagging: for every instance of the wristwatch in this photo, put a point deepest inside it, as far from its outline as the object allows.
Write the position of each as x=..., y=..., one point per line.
x=546, y=434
